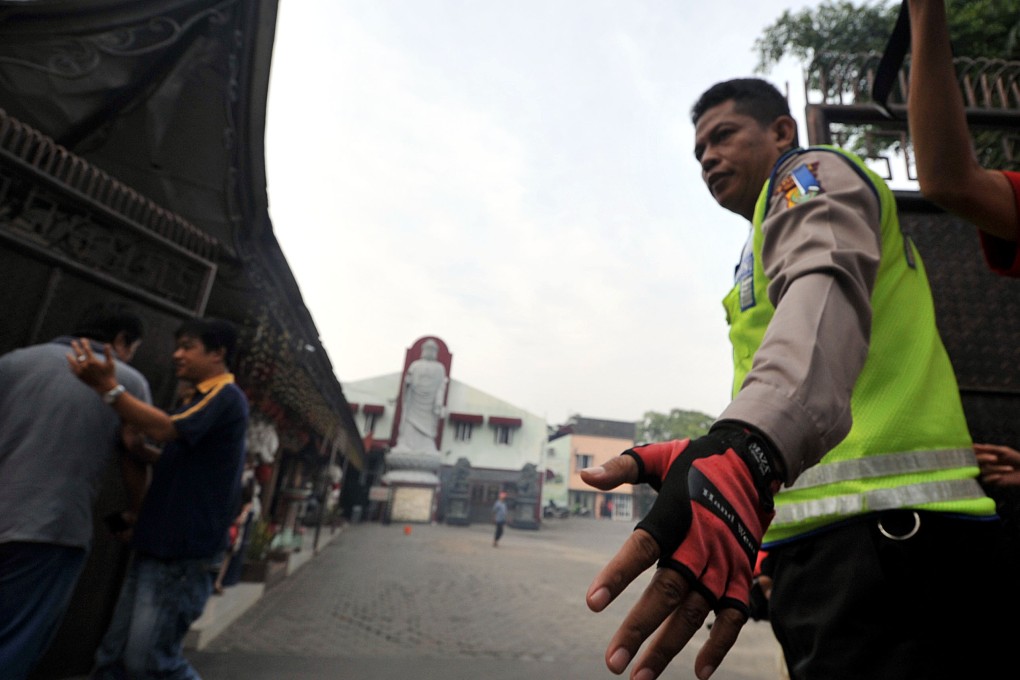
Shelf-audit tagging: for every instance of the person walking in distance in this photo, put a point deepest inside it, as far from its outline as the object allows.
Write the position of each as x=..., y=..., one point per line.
x=499, y=517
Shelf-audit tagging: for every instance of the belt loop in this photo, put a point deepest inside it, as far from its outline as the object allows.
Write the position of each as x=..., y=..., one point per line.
x=903, y=537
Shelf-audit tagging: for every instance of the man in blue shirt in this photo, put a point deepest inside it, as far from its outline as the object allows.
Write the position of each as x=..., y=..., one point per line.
x=182, y=526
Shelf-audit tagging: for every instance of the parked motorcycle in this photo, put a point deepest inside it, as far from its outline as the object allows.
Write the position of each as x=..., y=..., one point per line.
x=553, y=511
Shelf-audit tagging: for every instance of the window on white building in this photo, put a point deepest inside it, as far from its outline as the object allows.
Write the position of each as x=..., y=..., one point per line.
x=462, y=431
x=370, y=420
x=623, y=508
x=504, y=434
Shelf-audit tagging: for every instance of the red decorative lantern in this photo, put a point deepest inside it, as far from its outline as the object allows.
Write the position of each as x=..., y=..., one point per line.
x=263, y=473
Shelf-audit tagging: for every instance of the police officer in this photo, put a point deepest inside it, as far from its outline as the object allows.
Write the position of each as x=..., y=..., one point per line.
x=844, y=396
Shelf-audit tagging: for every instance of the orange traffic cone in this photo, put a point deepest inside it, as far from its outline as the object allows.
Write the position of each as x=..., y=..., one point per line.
x=407, y=529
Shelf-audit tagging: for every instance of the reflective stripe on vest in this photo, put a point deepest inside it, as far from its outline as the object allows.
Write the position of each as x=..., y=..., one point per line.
x=884, y=465
x=881, y=499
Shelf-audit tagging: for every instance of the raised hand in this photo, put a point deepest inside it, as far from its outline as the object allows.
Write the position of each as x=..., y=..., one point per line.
x=714, y=504
x=98, y=373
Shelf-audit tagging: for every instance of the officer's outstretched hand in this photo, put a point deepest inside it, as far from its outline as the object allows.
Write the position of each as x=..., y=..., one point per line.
x=714, y=504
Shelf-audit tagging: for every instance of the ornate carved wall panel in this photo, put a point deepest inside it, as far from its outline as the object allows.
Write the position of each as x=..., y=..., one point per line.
x=64, y=210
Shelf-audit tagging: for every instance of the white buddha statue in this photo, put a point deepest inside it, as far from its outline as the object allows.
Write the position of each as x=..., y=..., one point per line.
x=423, y=392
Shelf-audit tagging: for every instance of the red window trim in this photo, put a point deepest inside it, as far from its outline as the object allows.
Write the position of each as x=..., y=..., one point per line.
x=466, y=418
x=508, y=422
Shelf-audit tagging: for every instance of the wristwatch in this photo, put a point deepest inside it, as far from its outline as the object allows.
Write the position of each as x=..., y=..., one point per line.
x=114, y=394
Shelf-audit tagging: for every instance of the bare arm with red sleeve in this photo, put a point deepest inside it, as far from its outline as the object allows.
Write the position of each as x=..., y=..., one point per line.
x=948, y=170
x=1003, y=255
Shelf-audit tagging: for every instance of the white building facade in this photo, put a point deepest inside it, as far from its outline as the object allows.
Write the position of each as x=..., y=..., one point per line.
x=501, y=442
x=489, y=432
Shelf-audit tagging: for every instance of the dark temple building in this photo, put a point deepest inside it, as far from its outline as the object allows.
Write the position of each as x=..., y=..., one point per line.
x=132, y=170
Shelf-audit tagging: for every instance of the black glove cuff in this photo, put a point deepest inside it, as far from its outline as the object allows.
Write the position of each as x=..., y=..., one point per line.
x=758, y=455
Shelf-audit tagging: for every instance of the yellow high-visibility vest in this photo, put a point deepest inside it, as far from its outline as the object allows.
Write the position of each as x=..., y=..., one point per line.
x=909, y=446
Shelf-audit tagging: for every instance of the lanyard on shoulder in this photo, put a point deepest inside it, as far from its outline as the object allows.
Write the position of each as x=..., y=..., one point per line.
x=892, y=59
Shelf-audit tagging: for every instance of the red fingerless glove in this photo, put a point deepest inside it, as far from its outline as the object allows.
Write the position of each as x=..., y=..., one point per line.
x=714, y=504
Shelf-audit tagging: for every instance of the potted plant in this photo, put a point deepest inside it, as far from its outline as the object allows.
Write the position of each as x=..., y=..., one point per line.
x=262, y=564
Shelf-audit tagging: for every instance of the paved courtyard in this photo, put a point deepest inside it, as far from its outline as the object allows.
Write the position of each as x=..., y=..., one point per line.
x=440, y=602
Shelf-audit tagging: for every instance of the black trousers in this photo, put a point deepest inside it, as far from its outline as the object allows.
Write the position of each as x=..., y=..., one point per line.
x=499, y=531
x=851, y=603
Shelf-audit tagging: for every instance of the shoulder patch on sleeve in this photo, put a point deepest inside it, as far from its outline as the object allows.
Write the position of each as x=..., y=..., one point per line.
x=799, y=185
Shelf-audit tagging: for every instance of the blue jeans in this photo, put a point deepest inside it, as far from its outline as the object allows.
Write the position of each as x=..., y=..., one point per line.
x=158, y=602
x=36, y=584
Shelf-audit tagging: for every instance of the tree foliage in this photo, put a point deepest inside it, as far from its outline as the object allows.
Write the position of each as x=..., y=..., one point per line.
x=985, y=28
x=979, y=28
x=677, y=424
x=839, y=43
x=832, y=26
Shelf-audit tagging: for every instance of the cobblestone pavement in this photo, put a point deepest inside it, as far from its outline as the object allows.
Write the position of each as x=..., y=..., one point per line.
x=440, y=602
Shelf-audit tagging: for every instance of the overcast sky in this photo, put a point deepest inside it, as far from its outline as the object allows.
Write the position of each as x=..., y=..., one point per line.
x=516, y=178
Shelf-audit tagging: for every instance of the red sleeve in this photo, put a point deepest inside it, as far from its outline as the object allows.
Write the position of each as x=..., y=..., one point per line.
x=1003, y=257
